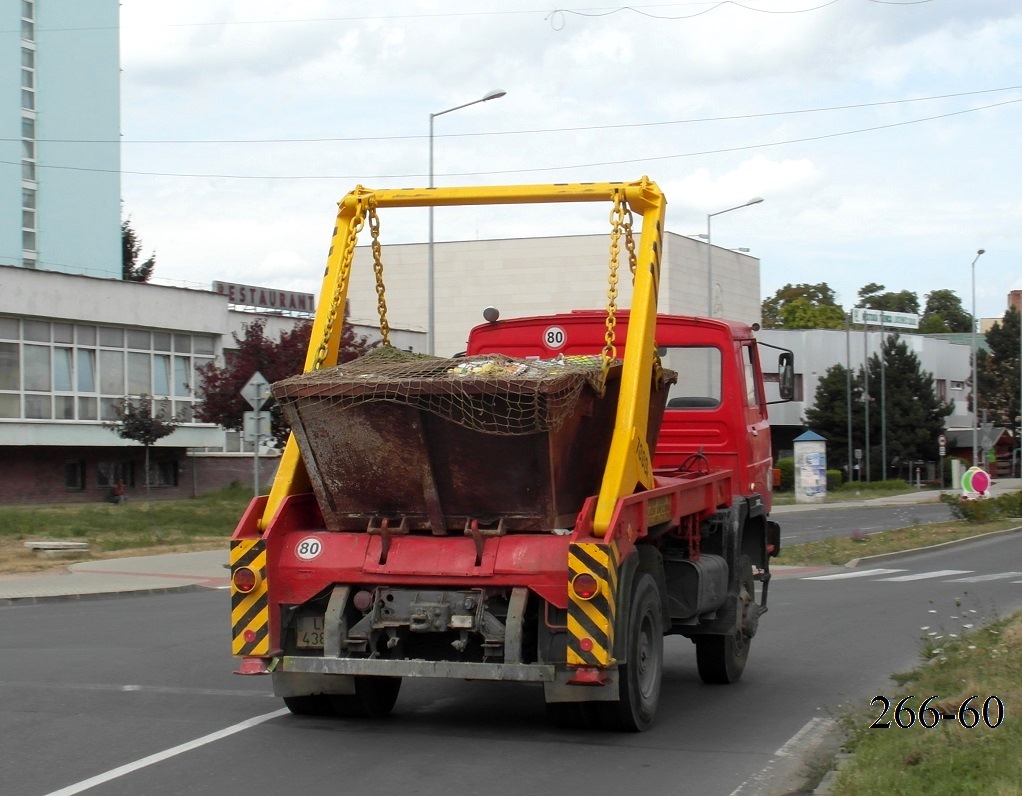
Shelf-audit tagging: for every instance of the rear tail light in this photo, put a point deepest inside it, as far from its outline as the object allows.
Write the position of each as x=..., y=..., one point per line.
x=585, y=586
x=245, y=579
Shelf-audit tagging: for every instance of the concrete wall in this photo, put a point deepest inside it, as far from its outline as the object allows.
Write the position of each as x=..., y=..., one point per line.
x=534, y=276
x=77, y=135
x=78, y=99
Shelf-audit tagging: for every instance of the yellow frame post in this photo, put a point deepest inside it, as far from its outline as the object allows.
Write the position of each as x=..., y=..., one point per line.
x=628, y=464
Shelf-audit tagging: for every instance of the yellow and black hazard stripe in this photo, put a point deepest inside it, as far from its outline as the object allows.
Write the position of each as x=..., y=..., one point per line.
x=591, y=620
x=250, y=611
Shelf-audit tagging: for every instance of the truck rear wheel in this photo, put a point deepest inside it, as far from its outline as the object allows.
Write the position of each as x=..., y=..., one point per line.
x=640, y=676
x=309, y=705
x=721, y=658
x=374, y=698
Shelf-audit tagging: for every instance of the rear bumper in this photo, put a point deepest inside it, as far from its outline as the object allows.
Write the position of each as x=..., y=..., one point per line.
x=510, y=672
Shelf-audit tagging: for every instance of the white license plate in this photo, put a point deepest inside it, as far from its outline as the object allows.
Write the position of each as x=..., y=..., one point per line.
x=310, y=632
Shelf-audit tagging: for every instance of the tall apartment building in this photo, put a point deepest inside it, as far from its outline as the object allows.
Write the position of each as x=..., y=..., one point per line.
x=60, y=203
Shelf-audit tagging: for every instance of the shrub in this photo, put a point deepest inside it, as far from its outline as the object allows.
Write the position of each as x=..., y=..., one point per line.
x=834, y=480
x=787, y=468
x=984, y=509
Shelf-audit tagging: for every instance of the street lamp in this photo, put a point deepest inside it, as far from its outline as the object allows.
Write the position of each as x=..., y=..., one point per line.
x=430, y=322
x=709, y=251
x=975, y=370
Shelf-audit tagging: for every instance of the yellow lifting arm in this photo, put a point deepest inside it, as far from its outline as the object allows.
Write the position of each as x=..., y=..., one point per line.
x=628, y=464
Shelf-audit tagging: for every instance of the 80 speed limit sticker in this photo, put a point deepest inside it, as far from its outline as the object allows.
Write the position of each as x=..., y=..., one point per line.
x=309, y=548
x=554, y=337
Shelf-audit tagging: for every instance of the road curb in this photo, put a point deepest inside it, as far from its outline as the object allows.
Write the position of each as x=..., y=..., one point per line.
x=884, y=556
x=101, y=595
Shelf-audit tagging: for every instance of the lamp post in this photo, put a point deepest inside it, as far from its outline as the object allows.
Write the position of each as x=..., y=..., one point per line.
x=709, y=251
x=431, y=314
x=975, y=369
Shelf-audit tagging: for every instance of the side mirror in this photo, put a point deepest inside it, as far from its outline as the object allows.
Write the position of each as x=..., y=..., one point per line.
x=786, y=375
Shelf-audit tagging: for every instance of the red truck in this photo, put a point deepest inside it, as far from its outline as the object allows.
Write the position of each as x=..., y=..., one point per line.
x=538, y=510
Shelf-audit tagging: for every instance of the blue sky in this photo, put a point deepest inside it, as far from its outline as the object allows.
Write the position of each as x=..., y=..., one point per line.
x=882, y=135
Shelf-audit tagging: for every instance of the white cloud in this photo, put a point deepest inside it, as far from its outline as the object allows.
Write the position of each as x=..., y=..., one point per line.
x=904, y=205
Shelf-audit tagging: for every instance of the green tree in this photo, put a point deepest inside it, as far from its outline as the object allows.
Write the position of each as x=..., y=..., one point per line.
x=999, y=383
x=803, y=306
x=943, y=312
x=914, y=414
x=877, y=297
x=828, y=416
x=142, y=422
x=131, y=252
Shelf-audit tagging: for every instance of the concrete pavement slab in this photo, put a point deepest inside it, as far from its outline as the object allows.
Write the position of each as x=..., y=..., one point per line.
x=119, y=576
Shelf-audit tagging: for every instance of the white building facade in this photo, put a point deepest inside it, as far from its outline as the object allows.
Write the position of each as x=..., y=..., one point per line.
x=535, y=276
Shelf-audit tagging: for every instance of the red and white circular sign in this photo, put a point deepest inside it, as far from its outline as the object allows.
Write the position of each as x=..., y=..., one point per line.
x=554, y=337
x=309, y=548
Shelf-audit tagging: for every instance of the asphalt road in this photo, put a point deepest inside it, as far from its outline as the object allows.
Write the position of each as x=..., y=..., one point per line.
x=114, y=688
x=811, y=525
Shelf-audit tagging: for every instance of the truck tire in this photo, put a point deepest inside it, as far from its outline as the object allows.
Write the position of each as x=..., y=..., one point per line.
x=721, y=657
x=640, y=676
x=309, y=705
x=374, y=698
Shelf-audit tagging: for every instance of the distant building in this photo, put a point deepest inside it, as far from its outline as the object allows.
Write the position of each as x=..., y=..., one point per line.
x=60, y=186
x=534, y=276
x=72, y=347
x=816, y=350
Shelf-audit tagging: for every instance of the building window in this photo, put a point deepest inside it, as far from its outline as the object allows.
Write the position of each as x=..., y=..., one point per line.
x=957, y=385
x=163, y=473
x=27, y=20
x=67, y=371
x=10, y=367
x=109, y=473
x=74, y=476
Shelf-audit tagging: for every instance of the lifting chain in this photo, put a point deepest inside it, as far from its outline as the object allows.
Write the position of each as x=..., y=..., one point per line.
x=381, y=301
x=626, y=225
x=354, y=227
x=618, y=215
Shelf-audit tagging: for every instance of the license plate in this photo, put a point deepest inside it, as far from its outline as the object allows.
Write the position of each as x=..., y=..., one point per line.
x=310, y=632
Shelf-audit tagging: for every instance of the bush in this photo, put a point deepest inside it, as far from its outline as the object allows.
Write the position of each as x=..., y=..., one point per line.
x=787, y=468
x=985, y=509
x=834, y=480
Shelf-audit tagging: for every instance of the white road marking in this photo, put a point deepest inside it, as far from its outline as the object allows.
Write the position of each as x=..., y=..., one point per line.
x=981, y=578
x=865, y=573
x=159, y=757
x=812, y=728
x=939, y=573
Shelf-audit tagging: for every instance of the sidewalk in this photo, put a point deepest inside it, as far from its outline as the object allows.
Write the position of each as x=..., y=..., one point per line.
x=999, y=487
x=207, y=570
x=122, y=576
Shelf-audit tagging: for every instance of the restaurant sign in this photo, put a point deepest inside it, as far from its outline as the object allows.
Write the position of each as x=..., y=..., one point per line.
x=266, y=297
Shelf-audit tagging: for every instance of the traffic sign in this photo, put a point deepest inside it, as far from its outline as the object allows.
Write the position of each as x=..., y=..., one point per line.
x=942, y=441
x=256, y=391
x=264, y=431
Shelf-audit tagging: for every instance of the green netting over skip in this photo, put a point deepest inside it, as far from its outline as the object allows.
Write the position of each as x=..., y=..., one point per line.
x=490, y=393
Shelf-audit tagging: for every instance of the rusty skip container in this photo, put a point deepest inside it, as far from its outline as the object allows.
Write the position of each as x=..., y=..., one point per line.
x=433, y=444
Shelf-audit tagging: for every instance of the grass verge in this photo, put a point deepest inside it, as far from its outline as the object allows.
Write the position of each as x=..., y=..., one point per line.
x=975, y=676
x=135, y=528
x=841, y=550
